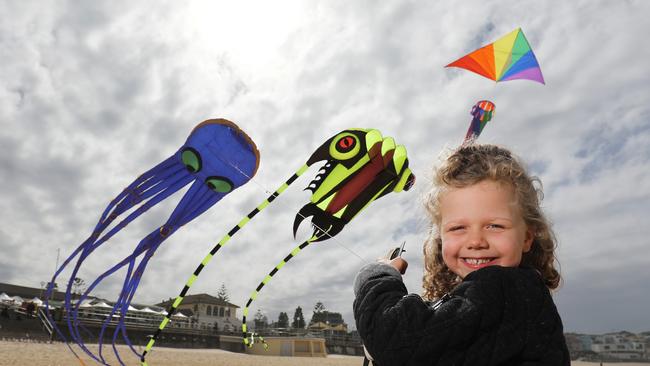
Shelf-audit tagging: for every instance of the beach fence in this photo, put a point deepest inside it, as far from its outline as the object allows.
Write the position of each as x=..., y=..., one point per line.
x=287, y=346
x=310, y=342
x=16, y=324
x=139, y=334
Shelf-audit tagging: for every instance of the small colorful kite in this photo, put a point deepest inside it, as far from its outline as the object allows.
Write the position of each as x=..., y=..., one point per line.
x=508, y=58
x=217, y=158
x=361, y=166
x=482, y=113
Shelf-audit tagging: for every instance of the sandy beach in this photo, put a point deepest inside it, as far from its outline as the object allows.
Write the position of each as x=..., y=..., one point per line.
x=57, y=354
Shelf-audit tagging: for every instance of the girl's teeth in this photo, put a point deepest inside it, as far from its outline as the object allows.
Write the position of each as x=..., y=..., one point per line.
x=476, y=261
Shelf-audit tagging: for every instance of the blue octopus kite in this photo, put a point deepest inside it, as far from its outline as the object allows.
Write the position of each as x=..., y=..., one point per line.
x=217, y=158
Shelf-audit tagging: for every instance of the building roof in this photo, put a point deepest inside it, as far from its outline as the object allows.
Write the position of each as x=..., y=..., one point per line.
x=29, y=292
x=199, y=299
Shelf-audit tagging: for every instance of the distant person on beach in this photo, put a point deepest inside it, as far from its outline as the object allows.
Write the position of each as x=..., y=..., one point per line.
x=489, y=269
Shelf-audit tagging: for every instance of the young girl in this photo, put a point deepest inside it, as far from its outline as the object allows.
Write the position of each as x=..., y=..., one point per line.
x=489, y=266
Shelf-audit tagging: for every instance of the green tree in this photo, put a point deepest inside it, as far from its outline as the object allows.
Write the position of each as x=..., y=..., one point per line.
x=260, y=320
x=78, y=284
x=283, y=320
x=319, y=307
x=222, y=294
x=298, y=319
x=319, y=314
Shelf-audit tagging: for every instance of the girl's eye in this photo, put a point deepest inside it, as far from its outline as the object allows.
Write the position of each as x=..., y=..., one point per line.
x=495, y=226
x=456, y=228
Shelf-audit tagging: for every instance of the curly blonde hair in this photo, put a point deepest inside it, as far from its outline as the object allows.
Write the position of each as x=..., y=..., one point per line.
x=471, y=164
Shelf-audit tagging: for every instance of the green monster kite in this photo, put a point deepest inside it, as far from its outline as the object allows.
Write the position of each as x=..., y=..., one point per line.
x=360, y=167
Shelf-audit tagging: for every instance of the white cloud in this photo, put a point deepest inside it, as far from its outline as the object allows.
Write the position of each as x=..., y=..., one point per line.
x=94, y=94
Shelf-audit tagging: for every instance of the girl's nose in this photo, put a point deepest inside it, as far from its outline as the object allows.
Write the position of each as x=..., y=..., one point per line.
x=476, y=240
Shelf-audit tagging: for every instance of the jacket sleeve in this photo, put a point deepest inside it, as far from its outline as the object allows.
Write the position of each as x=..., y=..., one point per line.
x=496, y=316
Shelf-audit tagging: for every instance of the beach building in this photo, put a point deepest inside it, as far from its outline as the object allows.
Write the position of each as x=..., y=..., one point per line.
x=208, y=312
x=328, y=323
x=622, y=346
x=22, y=310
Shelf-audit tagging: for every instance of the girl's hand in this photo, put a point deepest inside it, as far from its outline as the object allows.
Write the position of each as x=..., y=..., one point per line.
x=398, y=263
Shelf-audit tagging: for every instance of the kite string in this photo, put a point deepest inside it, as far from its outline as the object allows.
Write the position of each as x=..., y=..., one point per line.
x=267, y=191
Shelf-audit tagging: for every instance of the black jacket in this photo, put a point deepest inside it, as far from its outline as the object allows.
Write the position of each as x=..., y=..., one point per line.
x=496, y=316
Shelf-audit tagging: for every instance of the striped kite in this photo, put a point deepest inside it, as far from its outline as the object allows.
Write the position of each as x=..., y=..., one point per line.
x=482, y=113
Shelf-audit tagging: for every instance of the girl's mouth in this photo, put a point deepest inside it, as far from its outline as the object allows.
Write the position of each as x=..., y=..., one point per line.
x=478, y=262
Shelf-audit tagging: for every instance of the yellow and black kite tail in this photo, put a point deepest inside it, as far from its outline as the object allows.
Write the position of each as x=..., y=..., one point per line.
x=294, y=252
x=208, y=258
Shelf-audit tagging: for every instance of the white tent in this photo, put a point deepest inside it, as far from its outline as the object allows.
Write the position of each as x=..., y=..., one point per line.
x=37, y=301
x=179, y=315
x=5, y=297
x=148, y=310
x=131, y=308
x=86, y=304
x=102, y=304
x=18, y=299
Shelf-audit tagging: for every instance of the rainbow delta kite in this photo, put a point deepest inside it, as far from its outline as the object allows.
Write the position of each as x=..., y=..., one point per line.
x=508, y=58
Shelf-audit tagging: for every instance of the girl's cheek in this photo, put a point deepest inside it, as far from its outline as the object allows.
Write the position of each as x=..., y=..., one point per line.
x=449, y=242
x=447, y=250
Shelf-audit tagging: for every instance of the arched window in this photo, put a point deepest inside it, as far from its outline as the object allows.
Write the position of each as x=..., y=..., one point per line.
x=208, y=311
x=228, y=312
x=221, y=312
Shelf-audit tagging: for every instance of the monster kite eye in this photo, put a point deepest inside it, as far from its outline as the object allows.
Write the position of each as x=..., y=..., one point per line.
x=219, y=184
x=345, y=146
x=191, y=159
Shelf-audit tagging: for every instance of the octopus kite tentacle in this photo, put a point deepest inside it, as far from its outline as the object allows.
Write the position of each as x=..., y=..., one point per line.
x=206, y=260
x=132, y=280
x=123, y=202
x=116, y=207
x=74, y=309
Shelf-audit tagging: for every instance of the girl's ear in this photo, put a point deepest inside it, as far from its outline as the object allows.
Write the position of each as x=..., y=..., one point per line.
x=528, y=240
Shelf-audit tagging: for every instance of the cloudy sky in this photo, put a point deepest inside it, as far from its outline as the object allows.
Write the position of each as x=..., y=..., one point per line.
x=92, y=94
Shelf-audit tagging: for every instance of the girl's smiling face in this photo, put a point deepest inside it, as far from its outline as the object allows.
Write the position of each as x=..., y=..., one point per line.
x=482, y=225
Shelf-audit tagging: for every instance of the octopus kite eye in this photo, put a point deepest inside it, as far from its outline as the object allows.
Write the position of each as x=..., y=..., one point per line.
x=191, y=159
x=345, y=146
x=219, y=184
